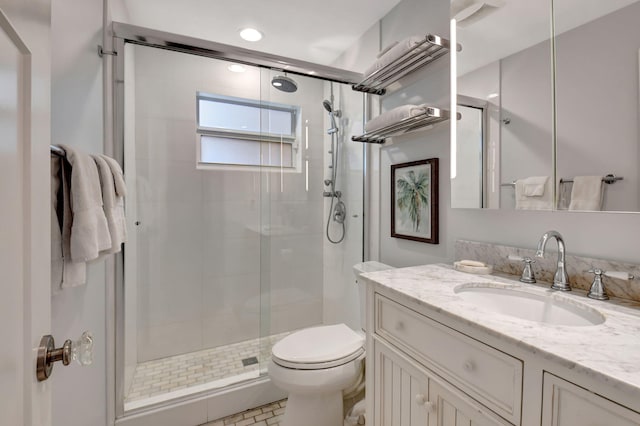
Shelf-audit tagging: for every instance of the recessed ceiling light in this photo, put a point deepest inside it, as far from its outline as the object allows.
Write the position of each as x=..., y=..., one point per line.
x=236, y=68
x=250, y=34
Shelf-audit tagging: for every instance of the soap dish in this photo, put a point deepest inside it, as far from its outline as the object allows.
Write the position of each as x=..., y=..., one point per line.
x=472, y=267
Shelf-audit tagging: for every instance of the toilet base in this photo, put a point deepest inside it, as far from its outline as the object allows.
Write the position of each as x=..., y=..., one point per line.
x=313, y=410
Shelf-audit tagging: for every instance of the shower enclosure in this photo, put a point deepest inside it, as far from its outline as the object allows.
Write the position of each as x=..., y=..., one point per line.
x=227, y=249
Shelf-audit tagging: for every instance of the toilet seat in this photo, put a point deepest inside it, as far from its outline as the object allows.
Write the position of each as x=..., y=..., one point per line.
x=318, y=348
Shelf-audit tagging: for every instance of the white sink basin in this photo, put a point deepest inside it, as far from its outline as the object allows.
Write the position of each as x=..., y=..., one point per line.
x=531, y=306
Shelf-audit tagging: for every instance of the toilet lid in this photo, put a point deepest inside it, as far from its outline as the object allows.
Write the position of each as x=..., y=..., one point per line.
x=318, y=344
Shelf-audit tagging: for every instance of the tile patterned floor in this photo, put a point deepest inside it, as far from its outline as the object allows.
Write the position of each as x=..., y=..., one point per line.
x=267, y=415
x=170, y=374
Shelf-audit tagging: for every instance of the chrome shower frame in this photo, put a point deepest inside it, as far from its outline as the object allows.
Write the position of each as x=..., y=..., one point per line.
x=121, y=35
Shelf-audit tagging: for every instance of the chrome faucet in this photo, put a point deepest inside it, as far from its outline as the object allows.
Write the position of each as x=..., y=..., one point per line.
x=560, y=279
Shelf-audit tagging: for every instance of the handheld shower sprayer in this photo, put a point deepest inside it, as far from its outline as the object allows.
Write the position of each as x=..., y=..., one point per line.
x=332, y=115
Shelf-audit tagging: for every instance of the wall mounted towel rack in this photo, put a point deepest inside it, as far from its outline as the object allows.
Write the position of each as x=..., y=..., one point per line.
x=431, y=116
x=608, y=179
x=56, y=150
x=424, y=53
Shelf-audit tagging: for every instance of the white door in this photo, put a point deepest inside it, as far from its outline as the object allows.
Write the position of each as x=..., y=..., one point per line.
x=23, y=400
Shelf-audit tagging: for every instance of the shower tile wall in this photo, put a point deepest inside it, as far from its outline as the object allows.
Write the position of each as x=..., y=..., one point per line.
x=199, y=239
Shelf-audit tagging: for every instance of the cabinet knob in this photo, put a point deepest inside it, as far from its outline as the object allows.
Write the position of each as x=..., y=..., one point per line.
x=422, y=400
x=469, y=366
x=399, y=326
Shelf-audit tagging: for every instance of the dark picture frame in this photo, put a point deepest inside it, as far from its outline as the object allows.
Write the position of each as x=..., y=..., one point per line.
x=414, y=201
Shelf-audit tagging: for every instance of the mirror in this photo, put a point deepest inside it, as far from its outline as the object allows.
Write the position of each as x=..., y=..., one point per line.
x=597, y=46
x=506, y=160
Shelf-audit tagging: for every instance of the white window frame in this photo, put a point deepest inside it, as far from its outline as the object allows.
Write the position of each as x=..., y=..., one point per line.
x=258, y=137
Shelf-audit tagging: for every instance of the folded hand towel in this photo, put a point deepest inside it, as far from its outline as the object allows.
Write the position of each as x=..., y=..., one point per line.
x=89, y=229
x=587, y=193
x=535, y=186
x=544, y=201
x=393, y=116
x=394, y=52
x=64, y=272
x=113, y=202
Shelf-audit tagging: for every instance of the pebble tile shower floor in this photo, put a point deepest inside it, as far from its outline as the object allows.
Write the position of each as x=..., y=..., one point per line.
x=170, y=374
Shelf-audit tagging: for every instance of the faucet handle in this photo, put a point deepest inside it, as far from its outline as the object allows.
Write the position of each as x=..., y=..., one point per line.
x=597, y=290
x=527, y=273
x=621, y=275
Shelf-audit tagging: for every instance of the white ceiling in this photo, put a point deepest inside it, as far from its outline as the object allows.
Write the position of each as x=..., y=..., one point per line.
x=316, y=31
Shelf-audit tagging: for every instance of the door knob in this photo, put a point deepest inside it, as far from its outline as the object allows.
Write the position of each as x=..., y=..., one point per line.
x=81, y=351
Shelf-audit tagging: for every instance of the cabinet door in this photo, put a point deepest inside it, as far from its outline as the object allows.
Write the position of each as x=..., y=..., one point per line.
x=565, y=404
x=401, y=390
x=454, y=408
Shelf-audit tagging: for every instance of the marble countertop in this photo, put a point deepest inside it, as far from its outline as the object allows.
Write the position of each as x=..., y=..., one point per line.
x=608, y=352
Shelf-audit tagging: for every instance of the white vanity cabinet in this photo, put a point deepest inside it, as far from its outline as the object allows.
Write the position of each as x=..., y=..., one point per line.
x=406, y=394
x=484, y=376
x=430, y=369
x=565, y=404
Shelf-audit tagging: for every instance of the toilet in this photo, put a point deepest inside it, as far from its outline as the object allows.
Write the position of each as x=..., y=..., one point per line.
x=317, y=364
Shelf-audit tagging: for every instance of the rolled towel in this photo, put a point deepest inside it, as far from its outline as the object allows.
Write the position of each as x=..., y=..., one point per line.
x=394, y=52
x=587, y=193
x=393, y=116
x=532, y=186
x=89, y=229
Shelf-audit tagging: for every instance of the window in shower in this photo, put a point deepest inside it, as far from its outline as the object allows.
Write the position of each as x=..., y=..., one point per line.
x=245, y=132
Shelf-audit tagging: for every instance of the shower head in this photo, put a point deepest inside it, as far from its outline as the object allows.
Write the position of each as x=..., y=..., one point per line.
x=328, y=105
x=332, y=115
x=284, y=83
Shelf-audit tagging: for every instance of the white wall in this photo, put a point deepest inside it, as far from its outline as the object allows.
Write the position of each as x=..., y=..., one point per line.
x=79, y=396
x=210, y=240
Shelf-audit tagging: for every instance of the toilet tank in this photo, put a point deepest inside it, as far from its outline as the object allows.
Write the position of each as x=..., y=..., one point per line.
x=361, y=268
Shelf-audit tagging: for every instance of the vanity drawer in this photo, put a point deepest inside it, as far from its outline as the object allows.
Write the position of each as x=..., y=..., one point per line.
x=488, y=375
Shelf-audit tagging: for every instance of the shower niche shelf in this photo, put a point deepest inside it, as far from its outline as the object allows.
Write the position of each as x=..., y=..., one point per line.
x=431, y=116
x=424, y=53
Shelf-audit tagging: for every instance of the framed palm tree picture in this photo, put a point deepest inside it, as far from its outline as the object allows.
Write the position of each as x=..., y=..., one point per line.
x=414, y=200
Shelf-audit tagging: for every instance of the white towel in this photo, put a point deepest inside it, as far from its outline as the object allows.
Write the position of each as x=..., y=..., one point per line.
x=587, y=193
x=64, y=272
x=393, y=116
x=113, y=201
x=540, y=190
x=89, y=229
x=394, y=52
x=118, y=176
x=535, y=186
x=564, y=195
